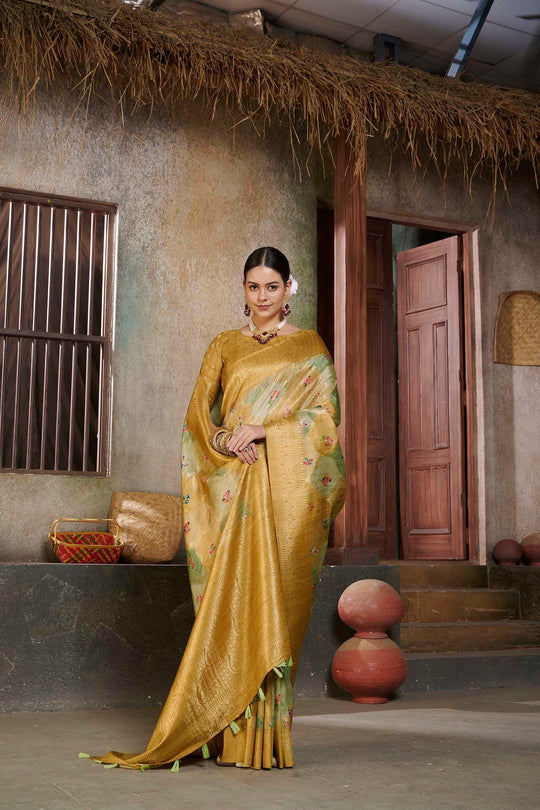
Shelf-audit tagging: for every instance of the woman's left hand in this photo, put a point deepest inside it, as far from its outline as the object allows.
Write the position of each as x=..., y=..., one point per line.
x=249, y=455
x=244, y=436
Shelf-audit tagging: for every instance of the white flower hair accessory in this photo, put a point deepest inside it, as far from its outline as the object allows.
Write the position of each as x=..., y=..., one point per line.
x=294, y=285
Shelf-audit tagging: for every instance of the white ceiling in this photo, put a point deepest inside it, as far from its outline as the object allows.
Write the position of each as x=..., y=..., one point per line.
x=507, y=52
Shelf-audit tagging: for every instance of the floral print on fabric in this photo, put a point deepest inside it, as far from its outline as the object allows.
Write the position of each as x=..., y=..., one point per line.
x=280, y=396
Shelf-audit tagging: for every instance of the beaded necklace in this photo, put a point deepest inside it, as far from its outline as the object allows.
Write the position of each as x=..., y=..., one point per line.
x=264, y=337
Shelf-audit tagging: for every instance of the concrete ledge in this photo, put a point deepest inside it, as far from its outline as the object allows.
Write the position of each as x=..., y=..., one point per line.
x=94, y=636
x=471, y=670
x=523, y=578
x=438, y=637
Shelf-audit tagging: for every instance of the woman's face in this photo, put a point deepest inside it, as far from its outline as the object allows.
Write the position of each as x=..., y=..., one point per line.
x=265, y=291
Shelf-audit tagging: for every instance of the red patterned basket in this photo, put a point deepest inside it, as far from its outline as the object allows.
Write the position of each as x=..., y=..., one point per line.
x=86, y=547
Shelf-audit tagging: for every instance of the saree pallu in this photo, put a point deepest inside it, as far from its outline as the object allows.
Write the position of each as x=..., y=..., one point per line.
x=255, y=538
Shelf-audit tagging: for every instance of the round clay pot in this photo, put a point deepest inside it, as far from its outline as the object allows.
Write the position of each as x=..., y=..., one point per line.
x=369, y=668
x=531, y=548
x=371, y=607
x=507, y=552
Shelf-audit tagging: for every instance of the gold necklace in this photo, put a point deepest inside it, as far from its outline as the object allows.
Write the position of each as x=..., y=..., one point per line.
x=264, y=337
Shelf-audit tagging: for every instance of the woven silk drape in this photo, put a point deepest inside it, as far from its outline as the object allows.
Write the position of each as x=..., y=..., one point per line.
x=255, y=539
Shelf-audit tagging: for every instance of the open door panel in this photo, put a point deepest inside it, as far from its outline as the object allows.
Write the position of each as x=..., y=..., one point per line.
x=431, y=454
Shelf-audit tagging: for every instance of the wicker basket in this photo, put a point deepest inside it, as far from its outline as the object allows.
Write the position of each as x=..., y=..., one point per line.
x=151, y=524
x=86, y=547
x=517, y=329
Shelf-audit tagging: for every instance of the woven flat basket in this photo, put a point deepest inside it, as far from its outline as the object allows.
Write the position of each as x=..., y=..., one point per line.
x=151, y=524
x=517, y=329
x=86, y=547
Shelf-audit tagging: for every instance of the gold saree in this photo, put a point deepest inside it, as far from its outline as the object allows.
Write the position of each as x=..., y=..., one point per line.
x=255, y=538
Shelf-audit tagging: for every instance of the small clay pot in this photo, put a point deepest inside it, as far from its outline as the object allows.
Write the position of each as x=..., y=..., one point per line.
x=507, y=552
x=371, y=607
x=531, y=548
x=369, y=668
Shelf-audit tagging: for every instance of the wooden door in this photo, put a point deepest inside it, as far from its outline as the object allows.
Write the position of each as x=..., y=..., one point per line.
x=381, y=414
x=432, y=498
x=350, y=353
x=325, y=275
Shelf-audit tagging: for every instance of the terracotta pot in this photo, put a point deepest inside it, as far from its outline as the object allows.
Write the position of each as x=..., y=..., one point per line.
x=507, y=552
x=371, y=607
x=531, y=548
x=369, y=668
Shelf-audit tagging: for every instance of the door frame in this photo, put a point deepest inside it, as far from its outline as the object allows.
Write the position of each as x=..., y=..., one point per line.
x=472, y=350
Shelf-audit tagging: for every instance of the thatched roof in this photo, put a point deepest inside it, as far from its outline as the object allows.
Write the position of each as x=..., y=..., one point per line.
x=145, y=59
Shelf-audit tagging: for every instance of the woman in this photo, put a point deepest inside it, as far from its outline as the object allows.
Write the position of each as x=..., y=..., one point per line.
x=259, y=491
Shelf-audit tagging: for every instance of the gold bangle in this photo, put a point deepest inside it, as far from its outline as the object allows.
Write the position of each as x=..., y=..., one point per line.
x=214, y=437
x=219, y=440
x=223, y=440
x=222, y=444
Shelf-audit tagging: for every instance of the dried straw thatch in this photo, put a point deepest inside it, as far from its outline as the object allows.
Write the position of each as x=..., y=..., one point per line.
x=146, y=59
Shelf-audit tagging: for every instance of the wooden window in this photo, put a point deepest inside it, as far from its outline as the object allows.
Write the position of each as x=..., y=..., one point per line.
x=56, y=324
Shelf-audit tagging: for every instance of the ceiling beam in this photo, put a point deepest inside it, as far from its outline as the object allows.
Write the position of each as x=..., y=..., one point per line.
x=469, y=38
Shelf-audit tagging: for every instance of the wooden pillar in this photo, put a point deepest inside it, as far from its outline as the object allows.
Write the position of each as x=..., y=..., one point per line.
x=350, y=357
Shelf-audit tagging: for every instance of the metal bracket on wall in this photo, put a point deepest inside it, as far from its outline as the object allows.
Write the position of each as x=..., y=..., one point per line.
x=386, y=47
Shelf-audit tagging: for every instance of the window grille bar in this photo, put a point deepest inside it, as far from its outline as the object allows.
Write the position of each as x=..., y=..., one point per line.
x=23, y=258
x=64, y=262
x=58, y=405
x=18, y=361
x=4, y=341
x=104, y=282
x=33, y=348
x=74, y=345
x=87, y=371
x=71, y=406
x=30, y=405
x=2, y=395
x=8, y=262
x=88, y=353
x=104, y=275
x=36, y=266
x=60, y=348
x=100, y=415
x=49, y=271
x=77, y=271
x=91, y=273
x=44, y=407
x=16, y=408
x=46, y=361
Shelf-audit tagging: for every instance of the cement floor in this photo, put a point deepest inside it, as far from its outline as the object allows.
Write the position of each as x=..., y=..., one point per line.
x=433, y=750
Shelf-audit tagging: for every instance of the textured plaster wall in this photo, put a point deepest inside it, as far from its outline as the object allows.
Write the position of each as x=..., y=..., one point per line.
x=193, y=203
x=508, y=260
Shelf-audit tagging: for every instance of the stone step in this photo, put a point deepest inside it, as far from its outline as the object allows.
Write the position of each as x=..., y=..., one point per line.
x=446, y=574
x=424, y=637
x=459, y=605
x=471, y=670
